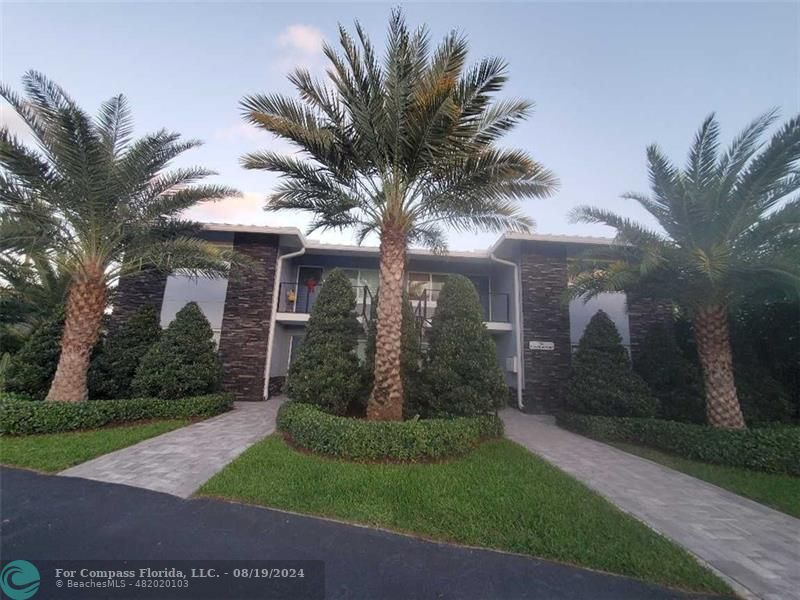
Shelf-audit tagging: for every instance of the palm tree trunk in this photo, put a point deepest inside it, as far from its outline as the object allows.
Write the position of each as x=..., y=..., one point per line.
x=714, y=349
x=386, y=400
x=85, y=305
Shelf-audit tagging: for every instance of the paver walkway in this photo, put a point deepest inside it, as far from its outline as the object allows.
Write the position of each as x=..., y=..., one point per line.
x=754, y=547
x=180, y=461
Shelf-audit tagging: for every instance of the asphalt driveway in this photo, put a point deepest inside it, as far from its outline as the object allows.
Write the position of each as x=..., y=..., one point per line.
x=56, y=518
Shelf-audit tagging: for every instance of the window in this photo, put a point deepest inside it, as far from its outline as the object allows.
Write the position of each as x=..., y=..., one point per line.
x=360, y=278
x=432, y=283
x=208, y=293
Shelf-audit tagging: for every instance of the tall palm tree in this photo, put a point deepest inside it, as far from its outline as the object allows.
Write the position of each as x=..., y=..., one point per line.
x=729, y=223
x=101, y=203
x=402, y=146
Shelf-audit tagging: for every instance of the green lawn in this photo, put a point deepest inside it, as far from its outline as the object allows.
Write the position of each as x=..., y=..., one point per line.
x=500, y=496
x=53, y=452
x=780, y=491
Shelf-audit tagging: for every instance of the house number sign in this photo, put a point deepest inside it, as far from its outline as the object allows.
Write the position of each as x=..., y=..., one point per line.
x=535, y=345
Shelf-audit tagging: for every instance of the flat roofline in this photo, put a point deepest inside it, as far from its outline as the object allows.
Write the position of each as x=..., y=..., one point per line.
x=420, y=252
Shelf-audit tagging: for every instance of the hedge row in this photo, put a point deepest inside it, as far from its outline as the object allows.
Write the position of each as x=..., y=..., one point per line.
x=360, y=440
x=775, y=449
x=23, y=417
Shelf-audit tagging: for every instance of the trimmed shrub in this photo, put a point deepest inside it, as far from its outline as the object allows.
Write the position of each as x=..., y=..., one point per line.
x=602, y=380
x=673, y=379
x=31, y=370
x=14, y=397
x=326, y=371
x=410, y=360
x=773, y=449
x=761, y=397
x=361, y=440
x=115, y=360
x=20, y=417
x=183, y=362
x=461, y=373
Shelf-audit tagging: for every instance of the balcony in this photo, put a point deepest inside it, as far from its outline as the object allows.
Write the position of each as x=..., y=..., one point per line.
x=496, y=308
x=295, y=302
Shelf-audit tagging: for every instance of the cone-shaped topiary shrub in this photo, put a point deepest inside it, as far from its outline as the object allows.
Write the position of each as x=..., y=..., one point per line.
x=115, y=360
x=183, y=362
x=326, y=371
x=672, y=378
x=602, y=381
x=32, y=368
x=410, y=359
x=461, y=373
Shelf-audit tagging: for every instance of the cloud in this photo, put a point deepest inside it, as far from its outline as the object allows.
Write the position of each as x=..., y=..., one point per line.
x=249, y=210
x=300, y=46
x=241, y=131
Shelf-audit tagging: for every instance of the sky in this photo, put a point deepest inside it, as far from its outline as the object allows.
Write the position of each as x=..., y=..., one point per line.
x=607, y=80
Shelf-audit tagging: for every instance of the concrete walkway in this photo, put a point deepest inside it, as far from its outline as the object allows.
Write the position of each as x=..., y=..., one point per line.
x=756, y=548
x=180, y=461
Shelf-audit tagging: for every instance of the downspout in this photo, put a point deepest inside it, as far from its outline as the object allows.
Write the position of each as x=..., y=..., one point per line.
x=275, y=301
x=518, y=329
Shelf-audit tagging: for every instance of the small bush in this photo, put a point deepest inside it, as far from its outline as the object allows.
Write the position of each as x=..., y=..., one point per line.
x=115, y=360
x=673, y=379
x=361, y=440
x=773, y=449
x=19, y=417
x=602, y=381
x=31, y=370
x=461, y=373
x=326, y=371
x=183, y=362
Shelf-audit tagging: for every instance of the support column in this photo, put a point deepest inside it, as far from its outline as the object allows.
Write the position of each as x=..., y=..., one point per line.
x=246, y=320
x=544, y=276
x=135, y=291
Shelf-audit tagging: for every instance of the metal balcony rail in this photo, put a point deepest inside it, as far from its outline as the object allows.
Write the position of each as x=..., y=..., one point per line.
x=496, y=306
x=300, y=298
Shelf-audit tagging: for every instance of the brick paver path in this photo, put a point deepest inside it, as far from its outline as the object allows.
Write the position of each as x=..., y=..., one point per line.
x=756, y=548
x=181, y=461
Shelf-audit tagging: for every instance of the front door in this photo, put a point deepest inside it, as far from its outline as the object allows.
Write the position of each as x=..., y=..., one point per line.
x=308, y=282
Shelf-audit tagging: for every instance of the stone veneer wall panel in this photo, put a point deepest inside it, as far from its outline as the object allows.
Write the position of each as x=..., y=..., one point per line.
x=544, y=276
x=643, y=313
x=246, y=319
x=135, y=291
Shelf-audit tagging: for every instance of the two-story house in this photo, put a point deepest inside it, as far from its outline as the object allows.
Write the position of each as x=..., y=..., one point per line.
x=259, y=317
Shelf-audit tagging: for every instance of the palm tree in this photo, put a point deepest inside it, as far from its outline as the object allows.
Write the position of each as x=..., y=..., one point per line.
x=32, y=289
x=402, y=146
x=728, y=225
x=92, y=195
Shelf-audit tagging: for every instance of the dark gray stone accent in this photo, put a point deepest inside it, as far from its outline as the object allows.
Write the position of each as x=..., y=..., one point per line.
x=246, y=320
x=644, y=313
x=135, y=291
x=545, y=317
